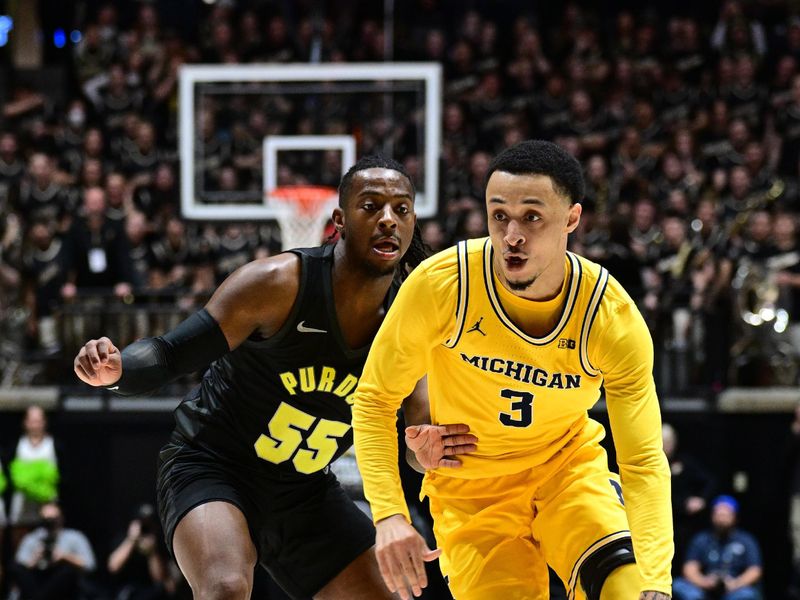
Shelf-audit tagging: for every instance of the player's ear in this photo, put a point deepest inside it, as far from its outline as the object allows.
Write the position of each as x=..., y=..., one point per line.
x=338, y=221
x=574, y=216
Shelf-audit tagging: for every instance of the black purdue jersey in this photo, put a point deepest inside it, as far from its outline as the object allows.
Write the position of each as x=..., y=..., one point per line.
x=282, y=405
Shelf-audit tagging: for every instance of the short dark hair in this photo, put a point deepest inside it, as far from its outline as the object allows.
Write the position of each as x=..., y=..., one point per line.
x=538, y=157
x=371, y=161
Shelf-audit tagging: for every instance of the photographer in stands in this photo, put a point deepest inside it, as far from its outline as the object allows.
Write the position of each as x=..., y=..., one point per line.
x=137, y=564
x=51, y=560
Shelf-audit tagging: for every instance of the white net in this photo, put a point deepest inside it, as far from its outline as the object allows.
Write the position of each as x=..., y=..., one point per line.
x=302, y=213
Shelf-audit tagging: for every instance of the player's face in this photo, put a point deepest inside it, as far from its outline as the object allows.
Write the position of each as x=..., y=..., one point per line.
x=528, y=224
x=378, y=218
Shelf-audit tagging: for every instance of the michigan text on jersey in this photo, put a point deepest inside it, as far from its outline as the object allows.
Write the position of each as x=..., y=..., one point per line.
x=525, y=373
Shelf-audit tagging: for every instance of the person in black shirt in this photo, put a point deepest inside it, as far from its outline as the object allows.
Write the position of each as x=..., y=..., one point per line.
x=137, y=564
x=692, y=490
x=99, y=250
x=245, y=475
x=45, y=263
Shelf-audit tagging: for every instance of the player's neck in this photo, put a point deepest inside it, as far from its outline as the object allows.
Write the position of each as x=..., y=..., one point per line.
x=353, y=282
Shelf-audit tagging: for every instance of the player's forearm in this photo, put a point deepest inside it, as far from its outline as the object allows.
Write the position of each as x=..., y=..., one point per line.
x=150, y=363
x=646, y=489
x=375, y=440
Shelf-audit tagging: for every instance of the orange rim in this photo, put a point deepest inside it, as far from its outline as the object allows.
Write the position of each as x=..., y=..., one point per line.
x=306, y=197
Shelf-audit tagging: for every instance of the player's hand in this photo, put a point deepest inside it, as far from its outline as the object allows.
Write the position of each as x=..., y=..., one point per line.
x=654, y=596
x=402, y=553
x=99, y=363
x=437, y=445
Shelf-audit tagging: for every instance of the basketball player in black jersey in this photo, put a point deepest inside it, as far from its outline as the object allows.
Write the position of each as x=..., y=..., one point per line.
x=244, y=477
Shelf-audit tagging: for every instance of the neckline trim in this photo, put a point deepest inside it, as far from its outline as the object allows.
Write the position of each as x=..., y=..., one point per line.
x=575, y=277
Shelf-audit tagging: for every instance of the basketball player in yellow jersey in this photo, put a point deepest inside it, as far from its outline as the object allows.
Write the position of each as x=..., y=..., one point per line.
x=517, y=336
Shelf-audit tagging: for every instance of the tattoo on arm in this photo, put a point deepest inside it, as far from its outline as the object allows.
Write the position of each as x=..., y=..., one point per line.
x=654, y=596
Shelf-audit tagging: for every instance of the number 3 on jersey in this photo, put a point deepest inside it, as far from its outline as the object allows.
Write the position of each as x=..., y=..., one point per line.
x=521, y=414
x=286, y=430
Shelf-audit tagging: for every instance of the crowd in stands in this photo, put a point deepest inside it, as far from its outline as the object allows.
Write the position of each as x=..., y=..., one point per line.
x=688, y=126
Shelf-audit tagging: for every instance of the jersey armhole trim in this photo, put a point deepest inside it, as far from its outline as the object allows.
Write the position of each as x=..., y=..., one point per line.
x=463, y=294
x=588, y=320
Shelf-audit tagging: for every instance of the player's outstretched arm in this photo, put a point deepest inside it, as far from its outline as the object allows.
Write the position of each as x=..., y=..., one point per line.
x=258, y=296
x=402, y=553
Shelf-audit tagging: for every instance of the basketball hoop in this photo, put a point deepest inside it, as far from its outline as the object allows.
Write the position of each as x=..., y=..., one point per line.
x=302, y=211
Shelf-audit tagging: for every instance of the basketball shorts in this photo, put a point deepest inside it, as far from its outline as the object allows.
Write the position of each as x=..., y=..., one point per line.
x=499, y=534
x=306, y=530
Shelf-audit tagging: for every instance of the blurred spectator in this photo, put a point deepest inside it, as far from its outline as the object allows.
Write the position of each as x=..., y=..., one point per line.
x=41, y=196
x=692, y=489
x=674, y=266
x=51, y=560
x=785, y=264
x=787, y=126
x=144, y=155
x=158, y=198
x=173, y=257
x=235, y=247
x=137, y=564
x=117, y=197
x=434, y=236
x=93, y=54
x=99, y=252
x=12, y=170
x=724, y=562
x=34, y=470
x=734, y=33
x=620, y=260
x=141, y=257
x=45, y=266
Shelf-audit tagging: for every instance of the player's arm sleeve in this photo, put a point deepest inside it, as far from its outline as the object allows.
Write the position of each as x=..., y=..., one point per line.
x=397, y=361
x=149, y=363
x=625, y=352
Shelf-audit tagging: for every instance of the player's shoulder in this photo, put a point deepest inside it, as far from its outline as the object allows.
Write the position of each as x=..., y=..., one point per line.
x=280, y=269
x=274, y=277
x=445, y=262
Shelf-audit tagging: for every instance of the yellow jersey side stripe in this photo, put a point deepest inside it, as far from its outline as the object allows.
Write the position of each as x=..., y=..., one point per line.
x=463, y=294
x=576, y=568
x=575, y=276
x=588, y=319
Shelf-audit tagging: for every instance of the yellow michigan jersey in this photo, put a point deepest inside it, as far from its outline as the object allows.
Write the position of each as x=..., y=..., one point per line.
x=524, y=397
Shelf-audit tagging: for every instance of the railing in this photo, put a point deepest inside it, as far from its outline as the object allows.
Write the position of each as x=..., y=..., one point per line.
x=92, y=314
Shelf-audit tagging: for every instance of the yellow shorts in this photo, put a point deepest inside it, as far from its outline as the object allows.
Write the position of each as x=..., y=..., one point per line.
x=499, y=534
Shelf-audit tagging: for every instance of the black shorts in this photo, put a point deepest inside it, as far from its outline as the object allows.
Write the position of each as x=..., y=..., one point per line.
x=306, y=530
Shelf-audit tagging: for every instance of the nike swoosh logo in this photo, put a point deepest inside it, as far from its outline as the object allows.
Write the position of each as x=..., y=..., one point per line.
x=303, y=329
x=111, y=389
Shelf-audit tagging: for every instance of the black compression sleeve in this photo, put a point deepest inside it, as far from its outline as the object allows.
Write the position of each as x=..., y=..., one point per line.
x=149, y=363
